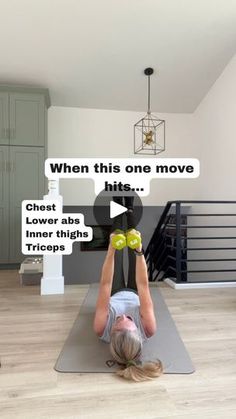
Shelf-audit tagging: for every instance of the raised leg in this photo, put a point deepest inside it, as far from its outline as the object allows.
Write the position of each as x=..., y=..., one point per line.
x=118, y=277
x=132, y=258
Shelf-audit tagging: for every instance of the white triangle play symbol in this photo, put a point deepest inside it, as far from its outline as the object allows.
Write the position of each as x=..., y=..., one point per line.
x=116, y=209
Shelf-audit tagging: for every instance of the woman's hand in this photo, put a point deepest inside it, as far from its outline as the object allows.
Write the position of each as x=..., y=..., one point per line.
x=139, y=248
x=112, y=235
x=111, y=249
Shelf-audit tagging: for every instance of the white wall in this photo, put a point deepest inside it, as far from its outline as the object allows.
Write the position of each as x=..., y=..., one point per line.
x=75, y=132
x=215, y=128
x=209, y=134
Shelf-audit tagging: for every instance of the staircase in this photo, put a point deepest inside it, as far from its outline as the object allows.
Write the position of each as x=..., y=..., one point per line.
x=194, y=245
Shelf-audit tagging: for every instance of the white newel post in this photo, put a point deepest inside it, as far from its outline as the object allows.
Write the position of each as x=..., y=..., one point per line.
x=52, y=281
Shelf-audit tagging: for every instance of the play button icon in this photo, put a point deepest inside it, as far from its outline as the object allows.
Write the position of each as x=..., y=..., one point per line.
x=116, y=209
x=105, y=209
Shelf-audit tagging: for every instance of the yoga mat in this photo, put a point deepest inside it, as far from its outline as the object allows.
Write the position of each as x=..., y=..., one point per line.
x=85, y=352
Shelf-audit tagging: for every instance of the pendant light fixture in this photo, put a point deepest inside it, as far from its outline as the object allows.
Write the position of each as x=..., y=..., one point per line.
x=149, y=132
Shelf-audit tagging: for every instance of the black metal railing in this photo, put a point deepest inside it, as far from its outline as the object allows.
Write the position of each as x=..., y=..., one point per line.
x=168, y=252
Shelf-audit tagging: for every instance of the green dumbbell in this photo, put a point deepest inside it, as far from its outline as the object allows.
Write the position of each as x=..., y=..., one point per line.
x=133, y=239
x=118, y=241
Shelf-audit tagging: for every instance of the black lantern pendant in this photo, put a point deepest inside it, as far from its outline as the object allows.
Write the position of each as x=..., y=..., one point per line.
x=149, y=132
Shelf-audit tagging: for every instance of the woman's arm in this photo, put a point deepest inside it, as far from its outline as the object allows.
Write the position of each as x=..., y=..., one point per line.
x=104, y=292
x=146, y=304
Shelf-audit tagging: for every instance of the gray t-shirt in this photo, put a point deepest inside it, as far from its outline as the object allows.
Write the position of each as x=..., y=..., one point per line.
x=123, y=302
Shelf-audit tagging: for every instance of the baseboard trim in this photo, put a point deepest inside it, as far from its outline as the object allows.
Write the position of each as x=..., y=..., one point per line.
x=196, y=285
x=50, y=285
x=8, y=266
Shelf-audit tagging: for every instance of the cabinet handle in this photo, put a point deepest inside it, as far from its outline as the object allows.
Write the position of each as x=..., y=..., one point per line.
x=4, y=166
x=13, y=133
x=4, y=133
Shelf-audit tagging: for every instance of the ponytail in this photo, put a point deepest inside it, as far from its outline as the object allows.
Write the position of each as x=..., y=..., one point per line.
x=145, y=372
x=126, y=347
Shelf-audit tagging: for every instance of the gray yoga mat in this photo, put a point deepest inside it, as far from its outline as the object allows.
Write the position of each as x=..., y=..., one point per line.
x=85, y=352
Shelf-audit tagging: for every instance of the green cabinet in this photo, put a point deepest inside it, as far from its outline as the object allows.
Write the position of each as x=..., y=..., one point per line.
x=4, y=205
x=23, y=145
x=26, y=122
x=22, y=118
x=4, y=118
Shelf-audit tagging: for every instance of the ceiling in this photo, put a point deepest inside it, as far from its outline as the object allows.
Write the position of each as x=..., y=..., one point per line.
x=92, y=53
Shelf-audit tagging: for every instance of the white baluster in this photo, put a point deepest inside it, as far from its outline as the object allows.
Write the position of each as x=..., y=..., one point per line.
x=52, y=281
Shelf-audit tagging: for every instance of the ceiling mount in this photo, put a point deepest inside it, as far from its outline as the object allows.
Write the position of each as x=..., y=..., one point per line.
x=148, y=71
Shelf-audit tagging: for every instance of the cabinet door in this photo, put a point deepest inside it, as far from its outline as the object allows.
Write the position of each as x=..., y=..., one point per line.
x=4, y=204
x=26, y=182
x=27, y=119
x=4, y=120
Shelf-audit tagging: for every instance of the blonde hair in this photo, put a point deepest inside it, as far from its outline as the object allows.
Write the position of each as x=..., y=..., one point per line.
x=126, y=348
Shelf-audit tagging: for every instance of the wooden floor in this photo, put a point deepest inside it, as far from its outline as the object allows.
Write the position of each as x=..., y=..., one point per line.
x=33, y=330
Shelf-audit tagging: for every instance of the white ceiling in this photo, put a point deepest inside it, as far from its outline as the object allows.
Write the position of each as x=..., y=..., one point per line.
x=92, y=53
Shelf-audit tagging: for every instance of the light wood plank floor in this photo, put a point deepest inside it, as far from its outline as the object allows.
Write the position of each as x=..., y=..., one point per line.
x=34, y=328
